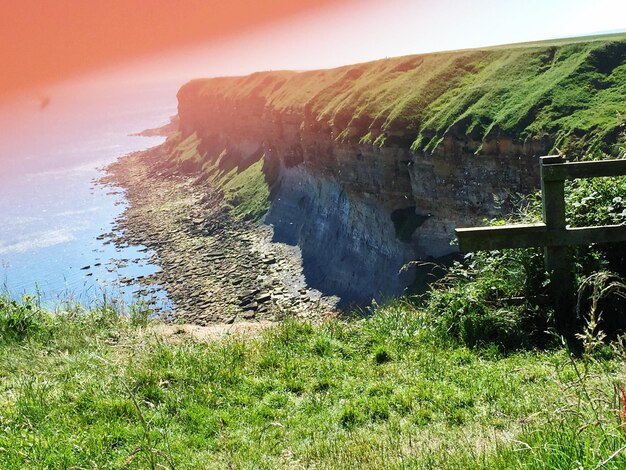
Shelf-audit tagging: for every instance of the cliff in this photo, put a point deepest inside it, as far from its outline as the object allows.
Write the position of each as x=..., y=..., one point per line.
x=369, y=166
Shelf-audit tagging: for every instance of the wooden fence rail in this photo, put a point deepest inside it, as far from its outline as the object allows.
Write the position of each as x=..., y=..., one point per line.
x=552, y=234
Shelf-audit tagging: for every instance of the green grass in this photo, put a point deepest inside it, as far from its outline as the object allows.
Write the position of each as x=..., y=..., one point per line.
x=97, y=390
x=246, y=192
x=184, y=151
x=571, y=92
x=567, y=95
x=243, y=184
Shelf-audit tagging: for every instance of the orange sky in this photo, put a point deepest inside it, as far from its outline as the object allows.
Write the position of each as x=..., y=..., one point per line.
x=45, y=41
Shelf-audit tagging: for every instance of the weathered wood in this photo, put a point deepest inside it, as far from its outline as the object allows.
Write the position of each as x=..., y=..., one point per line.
x=535, y=235
x=591, y=169
x=552, y=196
x=551, y=159
x=589, y=235
x=558, y=259
x=553, y=234
x=500, y=237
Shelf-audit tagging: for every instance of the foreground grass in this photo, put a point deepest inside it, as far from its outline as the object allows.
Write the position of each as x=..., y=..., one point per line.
x=96, y=391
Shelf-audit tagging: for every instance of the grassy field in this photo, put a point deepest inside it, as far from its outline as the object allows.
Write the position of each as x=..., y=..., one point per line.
x=571, y=92
x=96, y=390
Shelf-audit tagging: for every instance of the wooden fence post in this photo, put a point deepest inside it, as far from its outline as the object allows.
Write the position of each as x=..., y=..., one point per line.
x=553, y=233
x=558, y=259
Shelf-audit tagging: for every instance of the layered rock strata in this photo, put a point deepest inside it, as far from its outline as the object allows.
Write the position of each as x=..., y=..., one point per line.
x=360, y=212
x=371, y=166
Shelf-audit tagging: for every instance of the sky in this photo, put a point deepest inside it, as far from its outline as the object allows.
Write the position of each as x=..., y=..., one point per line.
x=50, y=40
x=363, y=30
x=47, y=46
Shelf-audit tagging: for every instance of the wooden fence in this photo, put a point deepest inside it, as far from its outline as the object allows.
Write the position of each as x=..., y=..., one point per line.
x=552, y=234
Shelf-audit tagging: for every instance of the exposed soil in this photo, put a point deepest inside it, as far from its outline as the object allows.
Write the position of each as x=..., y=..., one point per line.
x=179, y=333
x=214, y=267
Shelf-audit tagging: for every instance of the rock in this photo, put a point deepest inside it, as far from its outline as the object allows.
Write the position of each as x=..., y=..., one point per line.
x=230, y=263
x=251, y=306
x=248, y=294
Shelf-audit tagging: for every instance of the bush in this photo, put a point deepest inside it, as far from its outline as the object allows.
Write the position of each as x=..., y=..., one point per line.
x=69, y=325
x=381, y=354
x=499, y=297
x=598, y=201
x=492, y=299
x=20, y=319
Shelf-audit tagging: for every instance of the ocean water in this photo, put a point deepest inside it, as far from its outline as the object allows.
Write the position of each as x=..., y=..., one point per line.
x=51, y=212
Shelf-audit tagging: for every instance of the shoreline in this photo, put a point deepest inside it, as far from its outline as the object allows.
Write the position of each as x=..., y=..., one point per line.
x=215, y=268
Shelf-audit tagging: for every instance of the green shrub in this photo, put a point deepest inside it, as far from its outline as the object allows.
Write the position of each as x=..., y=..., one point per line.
x=139, y=314
x=69, y=325
x=492, y=299
x=499, y=297
x=598, y=201
x=20, y=319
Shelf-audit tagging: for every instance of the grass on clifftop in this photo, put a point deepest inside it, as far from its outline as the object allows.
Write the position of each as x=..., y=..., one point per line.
x=92, y=389
x=570, y=92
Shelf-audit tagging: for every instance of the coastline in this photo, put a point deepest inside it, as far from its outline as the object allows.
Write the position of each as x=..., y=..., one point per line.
x=216, y=269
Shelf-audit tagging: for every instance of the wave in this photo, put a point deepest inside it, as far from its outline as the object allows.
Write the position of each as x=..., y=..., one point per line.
x=37, y=241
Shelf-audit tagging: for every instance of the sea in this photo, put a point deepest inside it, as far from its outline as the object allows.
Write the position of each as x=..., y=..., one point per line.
x=53, y=149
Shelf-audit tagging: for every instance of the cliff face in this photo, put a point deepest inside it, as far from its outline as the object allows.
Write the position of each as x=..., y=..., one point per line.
x=368, y=167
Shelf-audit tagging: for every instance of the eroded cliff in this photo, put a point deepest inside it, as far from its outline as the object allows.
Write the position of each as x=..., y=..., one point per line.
x=370, y=166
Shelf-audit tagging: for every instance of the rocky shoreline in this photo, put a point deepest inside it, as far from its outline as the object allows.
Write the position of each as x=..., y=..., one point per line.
x=214, y=267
